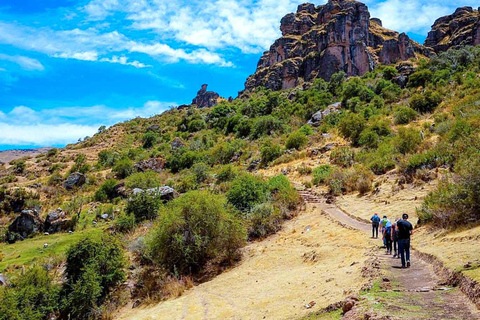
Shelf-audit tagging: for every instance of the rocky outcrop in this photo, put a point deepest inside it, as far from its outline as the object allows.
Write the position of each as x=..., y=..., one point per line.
x=27, y=223
x=57, y=221
x=76, y=179
x=205, y=99
x=165, y=193
x=153, y=164
x=458, y=29
x=318, y=116
x=319, y=41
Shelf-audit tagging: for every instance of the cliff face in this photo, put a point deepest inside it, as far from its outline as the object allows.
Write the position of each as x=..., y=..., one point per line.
x=319, y=41
x=205, y=99
x=458, y=29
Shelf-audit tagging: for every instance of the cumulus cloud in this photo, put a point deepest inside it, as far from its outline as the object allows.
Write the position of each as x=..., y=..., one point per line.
x=25, y=126
x=93, y=45
x=25, y=63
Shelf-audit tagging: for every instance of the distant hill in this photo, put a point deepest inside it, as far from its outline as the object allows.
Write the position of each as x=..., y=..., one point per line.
x=9, y=155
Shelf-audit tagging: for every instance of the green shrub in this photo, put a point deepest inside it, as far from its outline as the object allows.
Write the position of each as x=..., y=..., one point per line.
x=94, y=266
x=296, y=140
x=80, y=165
x=404, y=115
x=108, y=158
x=243, y=128
x=196, y=125
x=355, y=88
x=247, y=191
x=200, y=171
x=369, y=138
x=123, y=168
x=149, y=139
x=342, y=156
x=106, y=191
x=320, y=174
x=193, y=229
x=389, y=73
x=124, y=222
x=407, y=140
x=143, y=180
x=420, y=78
x=266, y=125
x=19, y=166
x=269, y=152
x=182, y=159
x=143, y=205
x=351, y=126
x=32, y=296
x=227, y=173
x=263, y=220
x=186, y=183
x=282, y=193
x=426, y=102
x=306, y=130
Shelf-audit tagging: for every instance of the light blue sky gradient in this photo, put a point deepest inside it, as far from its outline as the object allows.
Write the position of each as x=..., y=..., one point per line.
x=67, y=67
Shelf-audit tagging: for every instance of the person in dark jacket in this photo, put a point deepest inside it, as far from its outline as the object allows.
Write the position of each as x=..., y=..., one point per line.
x=405, y=231
x=375, y=224
x=395, y=239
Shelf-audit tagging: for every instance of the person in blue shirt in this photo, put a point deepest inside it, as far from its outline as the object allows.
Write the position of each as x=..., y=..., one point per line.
x=375, y=223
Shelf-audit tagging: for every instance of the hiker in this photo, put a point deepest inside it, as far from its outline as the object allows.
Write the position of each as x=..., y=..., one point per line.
x=405, y=230
x=375, y=223
x=387, y=236
x=383, y=223
x=395, y=239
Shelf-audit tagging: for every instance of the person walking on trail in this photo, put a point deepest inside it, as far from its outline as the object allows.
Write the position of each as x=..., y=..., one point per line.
x=375, y=224
x=405, y=230
x=387, y=236
x=383, y=223
x=395, y=239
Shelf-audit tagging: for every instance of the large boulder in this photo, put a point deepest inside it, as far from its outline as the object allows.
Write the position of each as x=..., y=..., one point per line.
x=165, y=193
x=153, y=164
x=318, y=116
x=76, y=179
x=57, y=221
x=27, y=223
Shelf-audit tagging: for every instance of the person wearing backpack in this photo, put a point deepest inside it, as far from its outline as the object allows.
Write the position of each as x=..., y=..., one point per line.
x=405, y=230
x=387, y=236
x=383, y=223
x=375, y=224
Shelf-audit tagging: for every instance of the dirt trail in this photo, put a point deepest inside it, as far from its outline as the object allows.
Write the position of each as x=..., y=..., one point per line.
x=414, y=293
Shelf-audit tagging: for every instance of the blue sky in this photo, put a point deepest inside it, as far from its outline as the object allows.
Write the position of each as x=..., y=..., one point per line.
x=67, y=67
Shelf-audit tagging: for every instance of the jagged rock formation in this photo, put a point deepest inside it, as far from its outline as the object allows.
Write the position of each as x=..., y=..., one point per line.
x=319, y=41
x=206, y=99
x=458, y=29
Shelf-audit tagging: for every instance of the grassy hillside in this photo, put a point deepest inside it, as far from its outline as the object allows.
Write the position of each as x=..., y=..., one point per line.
x=229, y=165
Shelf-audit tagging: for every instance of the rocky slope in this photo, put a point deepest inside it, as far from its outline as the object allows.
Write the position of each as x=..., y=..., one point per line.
x=319, y=41
x=458, y=29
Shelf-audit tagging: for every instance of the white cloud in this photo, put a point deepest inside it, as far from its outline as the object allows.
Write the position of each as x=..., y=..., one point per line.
x=124, y=60
x=92, y=45
x=26, y=126
x=25, y=63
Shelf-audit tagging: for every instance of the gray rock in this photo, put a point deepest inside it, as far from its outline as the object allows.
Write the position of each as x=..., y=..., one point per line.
x=24, y=225
x=177, y=143
x=104, y=216
x=3, y=280
x=76, y=179
x=153, y=164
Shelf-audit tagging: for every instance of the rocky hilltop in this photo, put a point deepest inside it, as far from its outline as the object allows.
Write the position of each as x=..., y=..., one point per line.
x=318, y=41
x=458, y=29
x=206, y=99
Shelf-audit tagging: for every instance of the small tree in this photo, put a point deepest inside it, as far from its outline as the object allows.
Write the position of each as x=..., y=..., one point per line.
x=247, y=191
x=143, y=205
x=296, y=140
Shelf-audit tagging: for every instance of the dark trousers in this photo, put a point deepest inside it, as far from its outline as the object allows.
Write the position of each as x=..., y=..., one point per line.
x=404, y=250
x=395, y=241
x=375, y=229
x=388, y=241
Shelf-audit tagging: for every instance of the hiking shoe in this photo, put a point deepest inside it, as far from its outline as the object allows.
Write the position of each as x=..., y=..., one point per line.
x=394, y=256
x=408, y=264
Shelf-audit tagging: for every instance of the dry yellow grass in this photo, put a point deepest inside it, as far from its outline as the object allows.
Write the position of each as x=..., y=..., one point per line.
x=277, y=277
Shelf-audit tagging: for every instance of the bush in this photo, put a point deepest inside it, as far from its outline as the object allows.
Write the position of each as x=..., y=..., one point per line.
x=149, y=139
x=408, y=140
x=143, y=180
x=247, y=191
x=106, y=191
x=200, y=171
x=19, y=166
x=94, y=266
x=266, y=125
x=107, y=158
x=283, y=194
x=194, y=229
x=351, y=126
x=369, y=138
x=227, y=173
x=296, y=140
x=124, y=222
x=426, y=102
x=181, y=160
x=320, y=174
x=306, y=130
x=33, y=296
x=123, y=168
x=80, y=165
x=342, y=156
x=420, y=78
x=269, y=152
x=404, y=115
x=143, y=206
x=196, y=125
x=263, y=220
